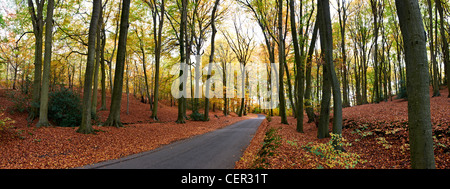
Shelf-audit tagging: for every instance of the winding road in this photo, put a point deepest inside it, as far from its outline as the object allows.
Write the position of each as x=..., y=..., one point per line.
x=219, y=149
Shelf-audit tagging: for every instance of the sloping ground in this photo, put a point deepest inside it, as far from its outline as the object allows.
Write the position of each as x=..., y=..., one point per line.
x=378, y=134
x=24, y=147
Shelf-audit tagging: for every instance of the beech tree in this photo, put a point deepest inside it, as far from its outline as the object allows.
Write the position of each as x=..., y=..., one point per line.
x=86, y=125
x=43, y=111
x=116, y=98
x=211, y=56
x=37, y=20
x=330, y=78
x=419, y=118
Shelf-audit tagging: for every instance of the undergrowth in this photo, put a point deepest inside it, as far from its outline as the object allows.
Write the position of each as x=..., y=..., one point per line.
x=332, y=153
x=271, y=142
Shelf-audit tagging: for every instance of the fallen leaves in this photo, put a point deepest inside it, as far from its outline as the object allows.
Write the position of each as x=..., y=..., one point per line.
x=378, y=134
x=61, y=147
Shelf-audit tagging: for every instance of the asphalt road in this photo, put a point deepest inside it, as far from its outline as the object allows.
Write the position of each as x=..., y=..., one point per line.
x=219, y=149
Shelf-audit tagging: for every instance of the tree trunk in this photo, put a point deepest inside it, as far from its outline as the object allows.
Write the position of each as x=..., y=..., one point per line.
x=114, y=114
x=157, y=57
x=308, y=98
x=419, y=120
x=211, y=58
x=326, y=39
x=445, y=49
x=97, y=66
x=103, y=68
x=38, y=26
x=43, y=111
x=374, y=5
x=435, y=75
x=182, y=87
x=86, y=127
x=281, y=59
x=300, y=69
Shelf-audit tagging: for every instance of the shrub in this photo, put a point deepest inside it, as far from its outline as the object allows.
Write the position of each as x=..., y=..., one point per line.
x=5, y=124
x=21, y=102
x=332, y=156
x=64, y=108
x=402, y=94
x=269, y=119
x=270, y=144
x=196, y=116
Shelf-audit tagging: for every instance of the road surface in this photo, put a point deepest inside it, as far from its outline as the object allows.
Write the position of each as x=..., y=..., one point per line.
x=219, y=149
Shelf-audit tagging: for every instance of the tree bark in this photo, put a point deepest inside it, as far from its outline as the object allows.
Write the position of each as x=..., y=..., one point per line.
x=157, y=56
x=374, y=5
x=43, y=111
x=281, y=59
x=97, y=66
x=435, y=80
x=211, y=57
x=102, y=67
x=300, y=69
x=86, y=127
x=181, y=107
x=114, y=114
x=445, y=49
x=419, y=120
x=308, y=98
x=38, y=29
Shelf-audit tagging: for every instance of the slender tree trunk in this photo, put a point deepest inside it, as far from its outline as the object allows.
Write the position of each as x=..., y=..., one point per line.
x=433, y=56
x=157, y=58
x=211, y=58
x=445, y=48
x=374, y=5
x=326, y=39
x=180, y=118
x=300, y=69
x=86, y=127
x=308, y=95
x=103, y=68
x=281, y=59
x=38, y=29
x=114, y=114
x=419, y=118
x=97, y=66
x=43, y=111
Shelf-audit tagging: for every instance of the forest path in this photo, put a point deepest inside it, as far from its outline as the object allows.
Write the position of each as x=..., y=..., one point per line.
x=219, y=149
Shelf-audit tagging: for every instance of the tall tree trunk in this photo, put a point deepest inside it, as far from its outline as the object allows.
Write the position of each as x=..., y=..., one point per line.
x=327, y=42
x=157, y=56
x=308, y=95
x=342, y=11
x=86, y=127
x=300, y=69
x=102, y=67
x=419, y=119
x=38, y=29
x=114, y=114
x=182, y=87
x=435, y=80
x=97, y=66
x=445, y=49
x=374, y=5
x=43, y=111
x=281, y=59
x=211, y=58
x=324, y=119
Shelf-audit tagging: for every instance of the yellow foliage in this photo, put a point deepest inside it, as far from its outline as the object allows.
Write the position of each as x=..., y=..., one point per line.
x=333, y=157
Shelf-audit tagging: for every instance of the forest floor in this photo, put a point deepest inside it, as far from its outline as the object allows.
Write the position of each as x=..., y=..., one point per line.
x=28, y=147
x=376, y=136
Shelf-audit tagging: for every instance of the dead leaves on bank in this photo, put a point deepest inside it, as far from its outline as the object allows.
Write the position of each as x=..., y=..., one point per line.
x=61, y=147
x=378, y=134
